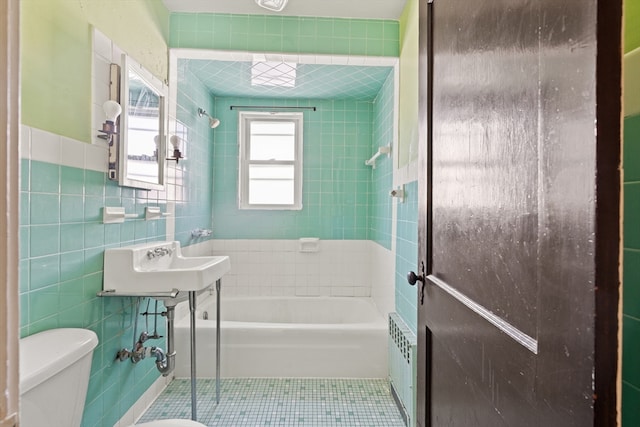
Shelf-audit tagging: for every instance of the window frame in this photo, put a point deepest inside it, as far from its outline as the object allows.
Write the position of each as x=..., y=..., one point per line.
x=245, y=118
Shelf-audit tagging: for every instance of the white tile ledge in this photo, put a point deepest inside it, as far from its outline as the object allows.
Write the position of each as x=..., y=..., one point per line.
x=44, y=146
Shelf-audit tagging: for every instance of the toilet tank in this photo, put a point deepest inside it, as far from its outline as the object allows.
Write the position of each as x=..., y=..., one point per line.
x=54, y=376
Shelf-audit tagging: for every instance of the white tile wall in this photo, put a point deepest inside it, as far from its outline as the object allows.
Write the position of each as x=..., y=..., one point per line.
x=383, y=267
x=276, y=268
x=40, y=145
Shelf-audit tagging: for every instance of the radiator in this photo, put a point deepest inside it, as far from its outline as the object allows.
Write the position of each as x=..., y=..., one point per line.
x=403, y=351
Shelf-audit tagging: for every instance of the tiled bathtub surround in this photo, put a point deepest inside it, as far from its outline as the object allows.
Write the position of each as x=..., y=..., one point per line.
x=380, y=205
x=336, y=183
x=278, y=268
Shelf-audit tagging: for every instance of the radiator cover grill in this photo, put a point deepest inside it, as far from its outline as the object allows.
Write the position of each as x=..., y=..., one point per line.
x=402, y=367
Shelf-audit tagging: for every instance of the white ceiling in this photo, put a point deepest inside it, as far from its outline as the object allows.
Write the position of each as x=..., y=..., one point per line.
x=368, y=9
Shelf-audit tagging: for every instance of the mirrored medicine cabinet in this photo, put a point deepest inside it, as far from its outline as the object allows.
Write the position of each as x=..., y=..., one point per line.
x=143, y=127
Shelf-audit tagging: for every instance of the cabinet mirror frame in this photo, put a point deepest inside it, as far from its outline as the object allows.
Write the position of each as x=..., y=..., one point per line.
x=142, y=141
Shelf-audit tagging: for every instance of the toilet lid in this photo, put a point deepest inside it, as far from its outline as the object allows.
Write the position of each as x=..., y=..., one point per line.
x=171, y=423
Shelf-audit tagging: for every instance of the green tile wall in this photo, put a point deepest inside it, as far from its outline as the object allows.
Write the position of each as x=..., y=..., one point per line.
x=407, y=255
x=62, y=243
x=382, y=176
x=336, y=182
x=288, y=34
x=61, y=268
x=193, y=175
x=631, y=274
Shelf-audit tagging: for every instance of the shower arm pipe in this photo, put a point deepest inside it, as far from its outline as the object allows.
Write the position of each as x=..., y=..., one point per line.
x=269, y=107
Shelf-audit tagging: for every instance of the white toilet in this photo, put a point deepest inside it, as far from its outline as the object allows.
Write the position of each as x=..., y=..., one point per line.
x=55, y=366
x=54, y=375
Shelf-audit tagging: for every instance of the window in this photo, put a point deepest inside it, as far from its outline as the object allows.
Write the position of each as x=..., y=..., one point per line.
x=270, y=160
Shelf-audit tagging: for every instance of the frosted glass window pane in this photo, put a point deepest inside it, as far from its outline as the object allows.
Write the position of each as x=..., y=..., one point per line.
x=271, y=185
x=271, y=172
x=273, y=128
x=271, y=192
x=272, y=147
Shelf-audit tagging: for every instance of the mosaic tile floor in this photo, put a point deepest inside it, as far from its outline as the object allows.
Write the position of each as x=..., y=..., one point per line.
x=258, y=402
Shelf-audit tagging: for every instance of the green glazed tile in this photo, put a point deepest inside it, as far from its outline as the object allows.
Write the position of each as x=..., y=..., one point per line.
x=631, y=283
x=188, y=38
x=93, y=260
x=222, y=24
x=375, y=29
x=341, y=28
x=631, y=350
x=45, y=177
x=308, y=27
x=45, y=324
x=93, y=235
x=43, y=271
x=92, y=284
x=205, y=22
x=71, y=208
x=324, y=27
x=93, y=207
x=24, y=242
x=240, y=24
x=273, y=43
x=71, y=180
x=24, y=276
x=71, y=237
x=25, y=208
x=44, y=240
x=631, y=208
x=24, y=309
x=44, y=209
x=71, y=294
x=631, y=148
x=273, y=26
x=25, y=172
x=43, y=303
x=630, y=405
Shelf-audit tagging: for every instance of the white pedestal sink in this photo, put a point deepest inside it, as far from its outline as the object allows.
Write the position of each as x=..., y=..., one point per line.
x=158, y=270
x=159, y=267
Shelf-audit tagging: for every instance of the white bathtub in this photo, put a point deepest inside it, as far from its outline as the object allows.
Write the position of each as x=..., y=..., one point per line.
x=328, y=337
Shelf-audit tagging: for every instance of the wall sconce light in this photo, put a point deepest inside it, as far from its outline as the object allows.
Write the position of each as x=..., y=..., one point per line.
x=213, y=122
x=109, y=128
x=156, y=141
x=175, y=142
